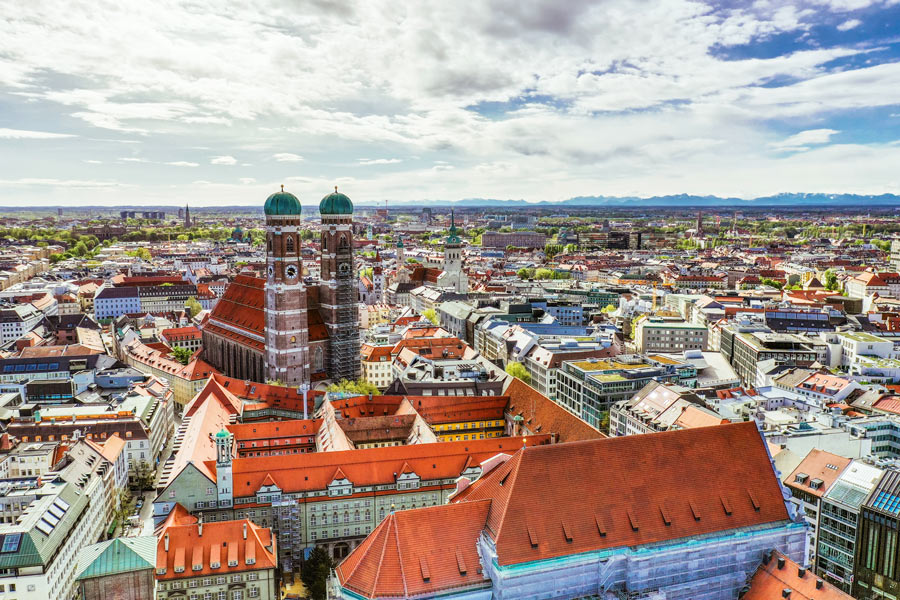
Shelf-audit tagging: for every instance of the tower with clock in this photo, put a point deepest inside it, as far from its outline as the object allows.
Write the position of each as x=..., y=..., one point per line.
x=287, y=328
x=338, y=290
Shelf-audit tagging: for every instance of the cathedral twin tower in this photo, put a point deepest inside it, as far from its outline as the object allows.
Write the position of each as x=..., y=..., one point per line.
x=293, y=355
x=287, y=327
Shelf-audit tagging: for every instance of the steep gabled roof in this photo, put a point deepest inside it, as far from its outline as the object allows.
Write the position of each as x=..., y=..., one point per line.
x=628, y=491
x=421, y=552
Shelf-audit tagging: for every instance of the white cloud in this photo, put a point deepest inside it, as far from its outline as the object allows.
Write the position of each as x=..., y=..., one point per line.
x=93, y=162
x=573, y=98
x=804, y=139
x=183, y=163
x=134, y=159
x=21, y=134
x=849, y=24
x=379, y=161
x=58, y=183
x=287, y=157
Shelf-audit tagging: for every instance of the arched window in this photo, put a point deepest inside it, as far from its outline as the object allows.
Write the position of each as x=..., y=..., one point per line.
x=343, y=243
x=269, y=244
x=324, y=243
x=289, y=245
x=318, y=360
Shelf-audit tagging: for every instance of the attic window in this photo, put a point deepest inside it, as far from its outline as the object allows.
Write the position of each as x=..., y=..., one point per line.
x=726, y=506
x=601, y=528
x=503, y=479
x=532, y=537
x=665, y=516
x=753, y=501
x=816, y=483
x=632, y=519
x=695, y=511
x=800, y=477
x=423, y=565
x=460, y=562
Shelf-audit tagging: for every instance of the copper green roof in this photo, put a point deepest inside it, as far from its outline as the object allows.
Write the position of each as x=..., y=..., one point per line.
x=453, y=238
x=222, y=433
x=336, y=203
x=282, y=204
x=121, y=555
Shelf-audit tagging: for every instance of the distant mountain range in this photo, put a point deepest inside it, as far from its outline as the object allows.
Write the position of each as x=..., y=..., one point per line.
x=786, y=199
x=673, y=201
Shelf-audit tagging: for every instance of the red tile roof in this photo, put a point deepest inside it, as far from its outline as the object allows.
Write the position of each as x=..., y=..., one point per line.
x=542, y=415
x=369, y=466
x=770, y=581
x=419, y=552
x=652, y=488
x=818, y=465
x=236, y=546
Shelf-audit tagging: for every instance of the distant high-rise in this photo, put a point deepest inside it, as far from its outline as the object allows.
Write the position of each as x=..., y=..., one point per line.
x=59, y=212
x=699, y=223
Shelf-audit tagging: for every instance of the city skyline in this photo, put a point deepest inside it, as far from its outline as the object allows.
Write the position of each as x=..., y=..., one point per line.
x=217, y=104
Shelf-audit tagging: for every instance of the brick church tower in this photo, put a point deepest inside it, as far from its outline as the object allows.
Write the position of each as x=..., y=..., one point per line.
x=287, y=329
x=338, y=291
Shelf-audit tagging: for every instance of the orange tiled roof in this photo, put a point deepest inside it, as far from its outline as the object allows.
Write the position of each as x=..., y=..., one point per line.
x=770, y=581
x=418, y=553
x=818, y=465
x=236, y=546
x=689, y=485
x=542, y=415
x=368, y=466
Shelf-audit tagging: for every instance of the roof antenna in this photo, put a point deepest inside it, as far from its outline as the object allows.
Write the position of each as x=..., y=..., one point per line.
x=282, y=187
x=335, y=189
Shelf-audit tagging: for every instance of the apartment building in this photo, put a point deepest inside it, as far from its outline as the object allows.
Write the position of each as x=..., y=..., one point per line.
x=658, y=334
x=590, y=387
x=839, y=521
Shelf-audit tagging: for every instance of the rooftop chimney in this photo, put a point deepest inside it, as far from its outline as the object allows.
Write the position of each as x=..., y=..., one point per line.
x=801, y=572
x=786, y=593
x=780, y=562
x=245, y=531
x=819, y=584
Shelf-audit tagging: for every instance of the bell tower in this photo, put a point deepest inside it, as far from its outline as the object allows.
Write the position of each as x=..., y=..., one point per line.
x=287, y=329
x=339, y=293
x=224, y=483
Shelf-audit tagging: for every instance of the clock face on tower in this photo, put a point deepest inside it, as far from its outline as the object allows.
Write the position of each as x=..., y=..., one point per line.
x=344, y=268
x=291, y=271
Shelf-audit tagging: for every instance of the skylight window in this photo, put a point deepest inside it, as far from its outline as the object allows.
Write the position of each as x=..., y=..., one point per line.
x=11, y=542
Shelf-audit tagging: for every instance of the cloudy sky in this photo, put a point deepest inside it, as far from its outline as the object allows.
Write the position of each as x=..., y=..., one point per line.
x=218, y=102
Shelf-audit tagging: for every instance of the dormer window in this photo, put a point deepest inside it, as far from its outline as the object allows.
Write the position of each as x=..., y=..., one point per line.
x=816, y=483
x=801, y=478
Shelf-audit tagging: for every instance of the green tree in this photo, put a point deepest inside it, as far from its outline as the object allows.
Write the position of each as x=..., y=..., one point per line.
x=182, y=355
x=141, y=253
x=315, y=573
x=525, y=273
x=142, y=476
x=359, y=386
x=125, y=506
x=608, y=309
x=772, y=283
x=192, y=305
x=431, y=315
x=518, y=370
x=831, y=280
